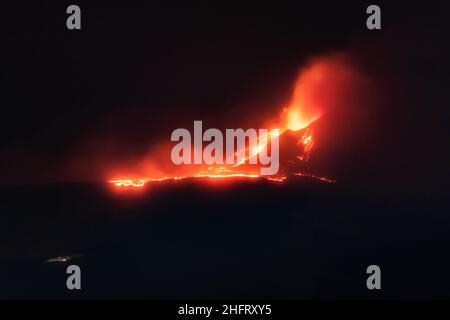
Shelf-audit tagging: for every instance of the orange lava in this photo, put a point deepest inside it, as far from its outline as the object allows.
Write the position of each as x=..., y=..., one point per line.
x=303, y=109
x=325, y=179
x=142, y=182
x=129, y=182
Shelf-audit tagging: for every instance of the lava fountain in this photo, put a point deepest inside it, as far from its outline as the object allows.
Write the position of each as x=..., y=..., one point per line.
x=309, y=102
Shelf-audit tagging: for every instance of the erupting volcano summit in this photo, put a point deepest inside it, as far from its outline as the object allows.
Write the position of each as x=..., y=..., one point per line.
x=204, y=156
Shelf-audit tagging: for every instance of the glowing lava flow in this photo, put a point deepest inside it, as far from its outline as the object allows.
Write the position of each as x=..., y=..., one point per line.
x=325, y=179
x=225, y=174
x=306, y=141
x=305, y=107
x=129, y=182
x=142, y=182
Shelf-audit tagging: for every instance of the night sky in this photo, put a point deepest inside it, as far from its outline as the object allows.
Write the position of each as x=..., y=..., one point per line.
x=77, y=101
x=76, y=104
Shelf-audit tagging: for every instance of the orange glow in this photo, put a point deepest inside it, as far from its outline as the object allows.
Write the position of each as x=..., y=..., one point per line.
x=314, y=91
x=232, y=175
x=295, y=121
x=281, y=178
x=277, y=179
x=307, y=141
x=129, y=182
x=263, y=142
x=325, y=179
x=304, y=107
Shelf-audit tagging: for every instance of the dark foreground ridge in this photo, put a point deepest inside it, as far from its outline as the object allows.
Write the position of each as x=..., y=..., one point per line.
x=198, y=239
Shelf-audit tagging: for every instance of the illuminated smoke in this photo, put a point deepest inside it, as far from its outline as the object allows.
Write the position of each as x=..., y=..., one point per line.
x=321, y=88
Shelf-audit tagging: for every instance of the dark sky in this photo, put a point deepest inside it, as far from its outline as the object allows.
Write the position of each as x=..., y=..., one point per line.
x=136, y=71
